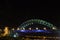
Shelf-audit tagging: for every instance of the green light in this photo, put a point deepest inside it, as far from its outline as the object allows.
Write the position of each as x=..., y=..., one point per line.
x=32, y=21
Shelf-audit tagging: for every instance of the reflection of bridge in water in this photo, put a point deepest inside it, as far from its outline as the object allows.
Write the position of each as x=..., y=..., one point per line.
x=29, y=31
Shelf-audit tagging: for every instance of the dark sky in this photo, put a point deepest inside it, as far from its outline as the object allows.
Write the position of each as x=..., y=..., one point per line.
x=14, y=13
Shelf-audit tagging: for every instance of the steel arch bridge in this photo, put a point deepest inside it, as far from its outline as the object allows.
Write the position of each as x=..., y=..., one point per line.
x=39, y=21
x=31, y=22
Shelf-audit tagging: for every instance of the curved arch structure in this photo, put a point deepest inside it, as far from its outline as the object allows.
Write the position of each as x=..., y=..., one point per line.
x=32, y=21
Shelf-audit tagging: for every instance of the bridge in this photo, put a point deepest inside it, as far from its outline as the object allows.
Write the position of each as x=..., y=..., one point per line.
x=28, y=29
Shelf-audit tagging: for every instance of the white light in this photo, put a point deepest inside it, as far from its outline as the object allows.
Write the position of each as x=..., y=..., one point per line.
x=15, y=36
x=54, y=28
x=18, y=28
x=29, y=28
x=23, y=28
x=36, y=28
x=44, y=28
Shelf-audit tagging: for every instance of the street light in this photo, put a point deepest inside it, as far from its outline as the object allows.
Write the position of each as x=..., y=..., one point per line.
x=44, y=28
x=29, y=28
x=36, y=28
x=23, y=28
x=54, y=28
x=18, y=28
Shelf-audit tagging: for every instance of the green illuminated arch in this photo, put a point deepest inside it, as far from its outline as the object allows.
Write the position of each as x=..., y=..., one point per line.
x=32, y=21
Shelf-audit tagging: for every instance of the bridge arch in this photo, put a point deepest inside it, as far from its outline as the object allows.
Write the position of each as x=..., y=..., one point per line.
x=39, y=21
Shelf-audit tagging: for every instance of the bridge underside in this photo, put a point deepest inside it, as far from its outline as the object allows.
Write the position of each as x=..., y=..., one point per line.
x=35, y=33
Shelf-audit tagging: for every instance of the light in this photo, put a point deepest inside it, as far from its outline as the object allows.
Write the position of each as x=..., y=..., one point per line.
x=44, y=28
x=31, y=31
x=13, y=29
x=32, y=23
x=15, y=35
x=44, y=38
x=54, y=28
x=29, y=28
x=18, y=28
x=6, y=31
x=36, y=28
x=23, y=28
x=39, y=30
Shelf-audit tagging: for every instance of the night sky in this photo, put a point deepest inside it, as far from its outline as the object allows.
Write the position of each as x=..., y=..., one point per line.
x=13, y=13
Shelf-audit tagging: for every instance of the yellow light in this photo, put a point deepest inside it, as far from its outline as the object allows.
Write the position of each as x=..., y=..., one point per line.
x=6, y=31
x=44, y=37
